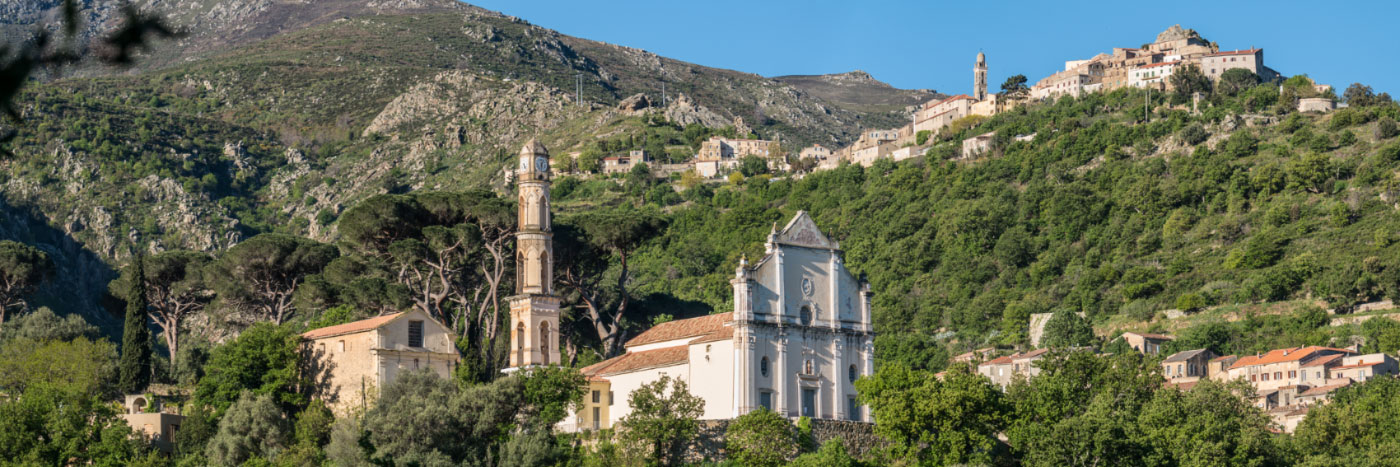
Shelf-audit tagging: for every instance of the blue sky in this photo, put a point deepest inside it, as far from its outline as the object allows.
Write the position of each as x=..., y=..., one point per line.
x=932, y=44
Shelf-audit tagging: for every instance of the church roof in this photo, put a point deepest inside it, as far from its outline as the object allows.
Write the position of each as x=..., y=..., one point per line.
x=802, y=231
x=533, y=147
x=633, y=361
x=682, y=328
x=351, y=327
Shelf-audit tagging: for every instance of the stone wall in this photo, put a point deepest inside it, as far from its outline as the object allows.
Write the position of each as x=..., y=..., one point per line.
x=859, y=438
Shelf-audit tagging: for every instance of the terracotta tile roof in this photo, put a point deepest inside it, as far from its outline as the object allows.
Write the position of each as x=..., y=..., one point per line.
x=1029, y=355
x=1357, y=365
x=950, y=99
x=1006, y=360
x=1222, y=357
x=633, y=361
x=1184, y=386
x=1235, y=52
x=1320, y=390
x=349, y=328
x=1321, y=361
x=681, y=329
x=1283, y=355
x=723, y=334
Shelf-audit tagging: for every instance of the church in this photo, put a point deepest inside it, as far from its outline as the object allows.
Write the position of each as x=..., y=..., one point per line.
x=796, y=341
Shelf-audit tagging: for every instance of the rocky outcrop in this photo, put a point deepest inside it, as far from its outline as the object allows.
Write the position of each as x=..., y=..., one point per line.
x=634, y=104
x=684, y=111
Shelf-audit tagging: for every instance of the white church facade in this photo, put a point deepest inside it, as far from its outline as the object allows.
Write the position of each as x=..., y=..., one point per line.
x=798, y=338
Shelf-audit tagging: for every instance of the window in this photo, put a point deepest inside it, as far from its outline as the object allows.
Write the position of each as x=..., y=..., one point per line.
x=1178, y=369
x=1278, y=375
x=341, y=344
x=415, y=364
x=610, y=398
x=596, y=416
x=765, y=400
x=851, y=373
x=415, y=333
x=1292, y=374
x=852, y=409
x=763, y=366
x=1253, y=378
x=596, y=396
x=1264, y=377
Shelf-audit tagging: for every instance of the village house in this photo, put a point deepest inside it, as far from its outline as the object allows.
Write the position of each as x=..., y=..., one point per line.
x=1156, y=76
x=974, y=356
x=978, y=145
x=150, y=417
x=1146, y=343
x=1184, y=369
x=353, y=360
x=624, y=164
x=718, y=155
x=1216, y=64
x=1285, y=367
x=1360, y=368
x=1005, y=370
x=934, y=115
x=815, y=152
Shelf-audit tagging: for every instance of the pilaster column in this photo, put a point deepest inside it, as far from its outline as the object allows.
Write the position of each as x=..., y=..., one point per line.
x=781, y=376
x=838, y=390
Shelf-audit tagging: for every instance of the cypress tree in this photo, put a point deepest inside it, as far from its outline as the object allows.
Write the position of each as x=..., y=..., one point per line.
x=135, y=368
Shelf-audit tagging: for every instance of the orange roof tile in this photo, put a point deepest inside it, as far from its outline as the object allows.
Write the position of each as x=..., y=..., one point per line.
x=633, y=361
x=1028, y=355
x=681, y=329
x=1222, y=357
x=349, y=328
x=723, y=334
x=1321, y=361
x=1283, y=355
x=1006, y=360
x=1320, y=390
x=1184, y=386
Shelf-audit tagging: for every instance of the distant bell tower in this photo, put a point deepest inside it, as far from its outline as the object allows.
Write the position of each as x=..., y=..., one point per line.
x=534, y=310
x=979, y=78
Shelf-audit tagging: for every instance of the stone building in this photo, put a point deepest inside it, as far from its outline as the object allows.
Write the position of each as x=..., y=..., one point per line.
x=1216, y=64
x=978, y=145
x=153, y=420
x=1146, y=343
x=934, y=115
x=1185, y=368
x=798, y=338
x=1286, y=367
x=1360, y=368
x=624, y=164
x=1316, y=104
x=1005, y=370
x=352, y=361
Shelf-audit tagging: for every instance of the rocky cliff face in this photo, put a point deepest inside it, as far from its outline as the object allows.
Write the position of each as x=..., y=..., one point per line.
x=276, y=115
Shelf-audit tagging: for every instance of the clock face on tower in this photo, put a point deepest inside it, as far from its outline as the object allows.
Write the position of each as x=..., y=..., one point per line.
x=541, y=164
x=524, y=164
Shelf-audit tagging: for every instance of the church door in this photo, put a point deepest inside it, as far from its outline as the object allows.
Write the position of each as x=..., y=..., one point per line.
x=809, y=402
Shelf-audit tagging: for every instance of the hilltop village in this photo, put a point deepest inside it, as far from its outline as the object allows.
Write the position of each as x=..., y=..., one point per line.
x=1147, y=67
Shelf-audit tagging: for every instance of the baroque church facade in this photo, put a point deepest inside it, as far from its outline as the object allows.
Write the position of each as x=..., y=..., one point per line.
x=798, y=338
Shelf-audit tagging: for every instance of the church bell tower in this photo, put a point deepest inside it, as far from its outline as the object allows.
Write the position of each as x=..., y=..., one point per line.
x=534, y=310
x=979, y=78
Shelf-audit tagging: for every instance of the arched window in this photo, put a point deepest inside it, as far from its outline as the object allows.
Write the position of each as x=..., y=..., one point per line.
x=763, y=367
x=806, y=315
x=544, y=343
x=851, y=373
